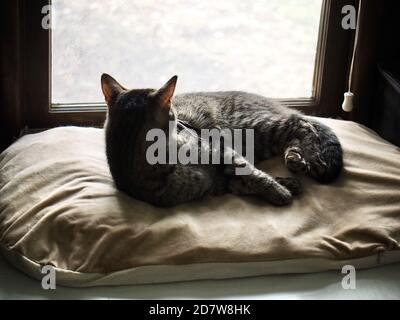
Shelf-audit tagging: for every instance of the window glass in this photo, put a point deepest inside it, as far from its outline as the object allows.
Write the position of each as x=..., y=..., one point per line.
x=260, y=46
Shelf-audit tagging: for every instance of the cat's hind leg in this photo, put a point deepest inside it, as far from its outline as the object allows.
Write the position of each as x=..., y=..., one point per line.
x=313, y=148
x=292, y=184
x=262, y=185
x=278, y=191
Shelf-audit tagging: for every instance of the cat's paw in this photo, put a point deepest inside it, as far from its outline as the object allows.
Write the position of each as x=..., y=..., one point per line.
x=292, y=184
x=295, y=162
x=278, y=196
x=317, y=168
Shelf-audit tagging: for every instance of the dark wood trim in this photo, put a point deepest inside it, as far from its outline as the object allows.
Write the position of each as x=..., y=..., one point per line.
x=11, y=113
x=331, y=63
x=365, y=70
x=333, y=59
x=37, y=73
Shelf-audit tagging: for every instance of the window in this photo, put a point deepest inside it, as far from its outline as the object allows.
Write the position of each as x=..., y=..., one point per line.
x=291, y=50
x=262, y=46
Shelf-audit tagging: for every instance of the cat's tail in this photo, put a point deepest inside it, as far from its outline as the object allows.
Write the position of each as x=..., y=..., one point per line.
x=330, y=154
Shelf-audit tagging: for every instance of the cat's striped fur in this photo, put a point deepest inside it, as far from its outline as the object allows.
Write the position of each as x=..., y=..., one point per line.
x=305, y=144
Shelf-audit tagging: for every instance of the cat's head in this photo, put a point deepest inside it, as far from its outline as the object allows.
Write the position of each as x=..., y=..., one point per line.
x=149, y=107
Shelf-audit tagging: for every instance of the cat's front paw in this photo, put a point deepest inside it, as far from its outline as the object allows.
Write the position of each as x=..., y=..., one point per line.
x=295, y=162
x=292, y=184
x=318, y=168
x=279, y=196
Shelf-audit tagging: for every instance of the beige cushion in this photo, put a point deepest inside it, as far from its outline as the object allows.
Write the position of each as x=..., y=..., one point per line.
x=59, y=206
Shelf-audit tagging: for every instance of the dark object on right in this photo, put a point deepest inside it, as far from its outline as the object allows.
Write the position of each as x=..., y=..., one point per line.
x=386, y=118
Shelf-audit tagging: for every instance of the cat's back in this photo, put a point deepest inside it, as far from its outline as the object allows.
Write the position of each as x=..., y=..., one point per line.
x=219, y=99
x=222, y=108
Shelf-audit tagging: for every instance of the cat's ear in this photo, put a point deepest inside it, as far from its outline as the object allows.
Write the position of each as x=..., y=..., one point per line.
x=111, y=88
x=165, y=93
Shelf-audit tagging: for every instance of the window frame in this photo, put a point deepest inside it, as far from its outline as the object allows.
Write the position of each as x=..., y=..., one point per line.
x=329, y=82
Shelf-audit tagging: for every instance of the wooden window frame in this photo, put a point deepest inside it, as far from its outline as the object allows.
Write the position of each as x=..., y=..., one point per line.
x=330, y=75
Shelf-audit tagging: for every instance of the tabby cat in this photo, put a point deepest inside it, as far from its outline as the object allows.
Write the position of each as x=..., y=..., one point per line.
x=307, y=145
